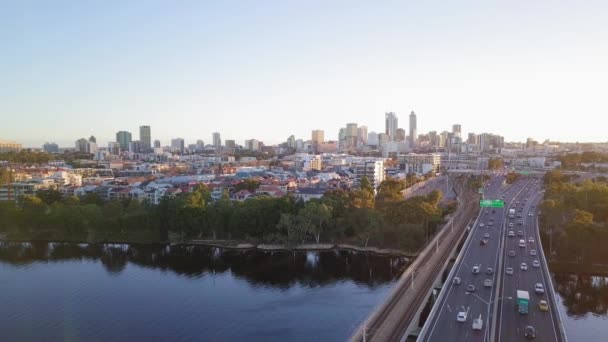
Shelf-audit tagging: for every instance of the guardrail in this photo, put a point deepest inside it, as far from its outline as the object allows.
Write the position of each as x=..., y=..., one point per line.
x=560, y=324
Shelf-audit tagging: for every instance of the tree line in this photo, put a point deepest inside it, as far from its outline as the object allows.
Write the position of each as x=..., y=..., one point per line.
x=357, y=216
x=574, y=218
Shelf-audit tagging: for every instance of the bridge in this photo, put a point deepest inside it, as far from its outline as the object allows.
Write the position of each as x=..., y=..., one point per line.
x=494, y=297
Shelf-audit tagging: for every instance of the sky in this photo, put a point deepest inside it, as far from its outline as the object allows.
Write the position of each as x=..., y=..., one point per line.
x=268, y=69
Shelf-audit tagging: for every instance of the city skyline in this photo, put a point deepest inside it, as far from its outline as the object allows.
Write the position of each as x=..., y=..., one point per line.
x=192, y=69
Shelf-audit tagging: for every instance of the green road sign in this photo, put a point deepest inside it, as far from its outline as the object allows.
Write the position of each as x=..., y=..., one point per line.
x=524, y=172
x=492, y=203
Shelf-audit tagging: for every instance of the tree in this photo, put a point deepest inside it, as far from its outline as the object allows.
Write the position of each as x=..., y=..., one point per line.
x=288, y=224
x=389, y=192
x=314, y=216
x=248, y=184
x=49, y=196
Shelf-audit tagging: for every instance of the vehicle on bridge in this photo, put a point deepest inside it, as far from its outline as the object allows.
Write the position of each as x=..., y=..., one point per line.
x=478, y=323
x=511, y=213
x=523, y=300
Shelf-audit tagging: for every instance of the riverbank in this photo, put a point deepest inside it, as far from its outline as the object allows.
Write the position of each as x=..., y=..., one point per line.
x=237, y=245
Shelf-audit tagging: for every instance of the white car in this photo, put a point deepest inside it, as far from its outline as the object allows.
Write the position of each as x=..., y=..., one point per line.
x=539, y=288
x=523, y=266
x=475, y=269
x=531, y=240
x=456, y=281
x=509, y=270
x=511, y=233
x=530, y=214
x=462, y=316
x=487, y=283
x=533, y=252
x=482, y=225
x=486, y=235
x=536, y=263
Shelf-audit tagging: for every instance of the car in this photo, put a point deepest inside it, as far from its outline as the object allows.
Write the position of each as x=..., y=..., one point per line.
x=530, y=214
x=489, y=270
x=536, y=263
x=475, y=269
x=461, y=316
x=493, y=211
x=509, y=270
x=539, y=288
x=523, y=266
x=483, y=242
x=487, y=283
x=531, y=239
x=543, y=306
x=486, y=235
x=490, y=223
x=478, y=323
x=533, y=252
x=511, y=253
x=518, y=214
x=520, y=233
x=510, y=224
x=511, y=233
x=470, y=288
x=456, y=281
x=530, y=332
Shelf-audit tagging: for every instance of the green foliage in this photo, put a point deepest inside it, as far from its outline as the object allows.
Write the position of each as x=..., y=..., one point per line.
x=27, y=157
x=249, y=184
x=512, y=177
x=49, y=196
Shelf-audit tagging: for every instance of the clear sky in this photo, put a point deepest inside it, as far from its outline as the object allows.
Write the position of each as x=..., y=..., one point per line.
x=269, y=69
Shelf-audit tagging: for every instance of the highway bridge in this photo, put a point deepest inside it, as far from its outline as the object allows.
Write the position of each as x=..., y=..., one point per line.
x=488, y=246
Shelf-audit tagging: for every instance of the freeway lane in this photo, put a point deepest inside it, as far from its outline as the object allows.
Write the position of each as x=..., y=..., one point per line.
x=510, y=323
x=444, y=326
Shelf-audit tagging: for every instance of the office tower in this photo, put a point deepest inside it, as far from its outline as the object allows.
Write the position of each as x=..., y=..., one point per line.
x=178, y=145
x=318, y=138
x=123, y=138
x=391, y=123
x=291, y=142
x=457, y=130
x=156, y=143
x=114, y=148
x=372, y=139
x=342, y=139
x=351, y=136
x=433, y=139
x=362, y=136
x=81, y=145
x=230, y=144
x=413, y=130
x=200, y=145
x=443, y=139
x=145, y=139
x=252, y=145
x=383, y=138
x=135, y=146
x=50, y=148
x=217, y=140
x=400, y=134
x=472, y=139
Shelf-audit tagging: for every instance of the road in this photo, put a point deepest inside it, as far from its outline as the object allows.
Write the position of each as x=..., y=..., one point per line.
x=510, y=323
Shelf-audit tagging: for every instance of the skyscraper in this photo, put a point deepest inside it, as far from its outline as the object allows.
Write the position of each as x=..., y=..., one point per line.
x=413, y=130
x=318, y=137
x=400, y=135
x=457, y=130
x=351, y=136
x=362, y=135
x=123, y=138
x=391, y=125
x=178, y=144
x=145, y=139
x=156, y=143
x=217, y=140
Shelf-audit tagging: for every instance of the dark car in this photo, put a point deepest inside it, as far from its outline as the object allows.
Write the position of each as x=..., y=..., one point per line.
x=483, y=242
x=470, y=288
x=530, y=332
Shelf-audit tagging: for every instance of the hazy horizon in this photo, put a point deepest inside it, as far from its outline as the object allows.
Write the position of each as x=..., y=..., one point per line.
x=269, y=70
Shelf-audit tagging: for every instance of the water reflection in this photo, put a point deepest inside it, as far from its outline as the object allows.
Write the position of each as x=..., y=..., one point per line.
x=274, y=269
x=582, y=293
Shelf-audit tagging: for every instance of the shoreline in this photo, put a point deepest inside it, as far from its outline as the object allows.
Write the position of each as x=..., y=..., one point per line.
x=243, y=246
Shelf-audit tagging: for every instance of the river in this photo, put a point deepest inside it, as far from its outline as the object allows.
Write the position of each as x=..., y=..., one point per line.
x=71, y=292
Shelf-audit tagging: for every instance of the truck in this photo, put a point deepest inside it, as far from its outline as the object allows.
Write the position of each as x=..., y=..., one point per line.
x=478, y=323
x=523, y=300
x=511, y=213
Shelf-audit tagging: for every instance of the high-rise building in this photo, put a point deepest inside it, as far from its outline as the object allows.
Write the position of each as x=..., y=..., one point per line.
x=291, y=142
x=443, y=139
x=457, y=130
x=123, y=138
x=156, y=143
x=318, y=138
x=145, y=138
x=372, y=139
x=433, y=139
x=217, y=140
x=252, y=145
x=342, y=139
x=362, y=136
x=93, y=139
x=81, y=145
x=178, y=145
x=200, y=145
x=391, y=124
x=383, y=138
x=114, y=148
x=230, y=145
x=400, y=134
x=50, y=148
x=135, y=146
x=413, y=130
x=351, y=133
x=373, y=170
x=472, y=139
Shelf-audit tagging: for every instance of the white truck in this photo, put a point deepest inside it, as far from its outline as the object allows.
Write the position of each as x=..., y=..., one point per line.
x=478, y=323
x=511, y=213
